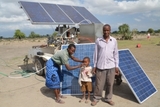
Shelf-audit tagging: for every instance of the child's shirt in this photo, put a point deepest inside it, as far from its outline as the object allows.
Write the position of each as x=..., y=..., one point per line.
x=85, y=74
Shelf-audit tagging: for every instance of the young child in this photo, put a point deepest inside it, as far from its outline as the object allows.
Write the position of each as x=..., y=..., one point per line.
x=85, y=80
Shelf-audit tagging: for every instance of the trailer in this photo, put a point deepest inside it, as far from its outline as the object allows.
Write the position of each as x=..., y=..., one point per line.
x=75, y=24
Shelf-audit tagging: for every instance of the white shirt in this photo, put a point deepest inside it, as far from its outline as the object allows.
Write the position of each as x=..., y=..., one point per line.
x=85, y=74
x=106, y=53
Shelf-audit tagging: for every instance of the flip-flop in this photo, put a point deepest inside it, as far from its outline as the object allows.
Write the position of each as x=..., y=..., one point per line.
x=94, y=103
x=87, y=101
x=110, y=103
x=60, y=101
x=82, y=100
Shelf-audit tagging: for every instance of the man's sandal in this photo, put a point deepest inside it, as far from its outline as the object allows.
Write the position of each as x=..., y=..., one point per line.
x=60, y=101
x=110, y=103
x=94, y=103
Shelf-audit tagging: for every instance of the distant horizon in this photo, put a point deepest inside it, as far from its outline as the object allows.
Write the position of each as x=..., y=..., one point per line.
x=51, y=32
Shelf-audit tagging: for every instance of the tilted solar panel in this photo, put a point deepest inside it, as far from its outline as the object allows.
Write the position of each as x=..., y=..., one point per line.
x=56, y=13
x=70, y=84
x=72, y=13
x=136, y=78
x=45, y=13
x=35, y=12
x=138, y=81
x=86, y=14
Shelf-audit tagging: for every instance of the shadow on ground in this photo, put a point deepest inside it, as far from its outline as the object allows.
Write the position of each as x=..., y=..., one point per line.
x=28, y=67
x=124, y=91
x=47, y=92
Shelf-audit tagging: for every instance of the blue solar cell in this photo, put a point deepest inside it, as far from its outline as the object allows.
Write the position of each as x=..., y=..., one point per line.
x=35, y=12
x=72, y=13
x=84, y=12
x=56, y=13
x=135, y=76
x=70, y=84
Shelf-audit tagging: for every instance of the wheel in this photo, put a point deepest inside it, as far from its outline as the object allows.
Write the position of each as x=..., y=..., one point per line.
x=39, y=66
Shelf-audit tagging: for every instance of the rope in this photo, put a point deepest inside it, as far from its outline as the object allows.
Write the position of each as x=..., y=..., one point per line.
x=23, y=73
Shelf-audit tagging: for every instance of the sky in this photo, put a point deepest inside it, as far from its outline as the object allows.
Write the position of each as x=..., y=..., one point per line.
x=138, y=14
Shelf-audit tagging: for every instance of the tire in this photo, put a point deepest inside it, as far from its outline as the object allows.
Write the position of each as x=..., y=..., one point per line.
x=39, y=65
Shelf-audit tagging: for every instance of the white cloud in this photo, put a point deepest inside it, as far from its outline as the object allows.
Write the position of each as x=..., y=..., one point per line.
x=136, y=19
x=12, y=17
x=114, y=7
x=24, y=26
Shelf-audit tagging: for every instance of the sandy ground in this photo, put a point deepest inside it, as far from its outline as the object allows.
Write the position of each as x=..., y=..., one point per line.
x=31, y=91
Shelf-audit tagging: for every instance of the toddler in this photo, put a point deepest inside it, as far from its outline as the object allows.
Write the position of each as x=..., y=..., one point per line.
x=85, y=80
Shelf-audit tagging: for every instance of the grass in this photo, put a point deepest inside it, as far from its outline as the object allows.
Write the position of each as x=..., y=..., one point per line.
x=133, y=43
x=154, y=40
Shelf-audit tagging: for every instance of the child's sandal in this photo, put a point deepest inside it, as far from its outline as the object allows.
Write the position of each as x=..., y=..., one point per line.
x=60, y=101
x=87, y=101
x=82, y=100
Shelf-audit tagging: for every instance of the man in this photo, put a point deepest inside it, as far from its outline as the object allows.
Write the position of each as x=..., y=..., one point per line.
x=53, y=73
x=106, y=61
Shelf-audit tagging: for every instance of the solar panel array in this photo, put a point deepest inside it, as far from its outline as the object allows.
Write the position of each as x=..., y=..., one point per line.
x=45, y=13
x=138, y=81
x=135, y=76
x=70, y=84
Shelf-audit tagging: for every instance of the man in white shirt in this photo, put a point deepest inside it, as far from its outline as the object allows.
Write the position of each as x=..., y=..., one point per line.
x=106, y=61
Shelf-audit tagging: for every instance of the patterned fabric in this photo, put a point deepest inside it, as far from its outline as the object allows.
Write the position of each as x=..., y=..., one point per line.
x=53, y=75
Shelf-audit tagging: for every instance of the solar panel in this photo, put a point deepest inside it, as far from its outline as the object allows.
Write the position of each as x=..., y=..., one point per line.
x=72, y=13
x=45, y=13
x=56, y=13
x=131, y=70
x=70, y=84
x=36, y=13
x=137, y=80
x=84, y=12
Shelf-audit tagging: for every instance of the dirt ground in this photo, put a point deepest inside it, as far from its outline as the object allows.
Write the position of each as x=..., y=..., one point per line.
x=31, y=91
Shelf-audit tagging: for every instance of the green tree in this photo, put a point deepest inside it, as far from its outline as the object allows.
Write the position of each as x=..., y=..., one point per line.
x=115, y=32
x=142, y=32
x=124, y=30
x=19, y=34
x=157, y=31
x=54, y=35
x=134, y=32
x=33, y=35
x=150, y=30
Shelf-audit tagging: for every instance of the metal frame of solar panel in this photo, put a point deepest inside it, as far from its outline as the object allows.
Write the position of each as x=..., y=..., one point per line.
x=70, y=84
x=135, y=76
x=45, y=13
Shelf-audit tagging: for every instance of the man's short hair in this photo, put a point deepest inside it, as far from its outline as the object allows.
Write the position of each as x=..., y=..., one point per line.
x=107, y=25
x=71, y=45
